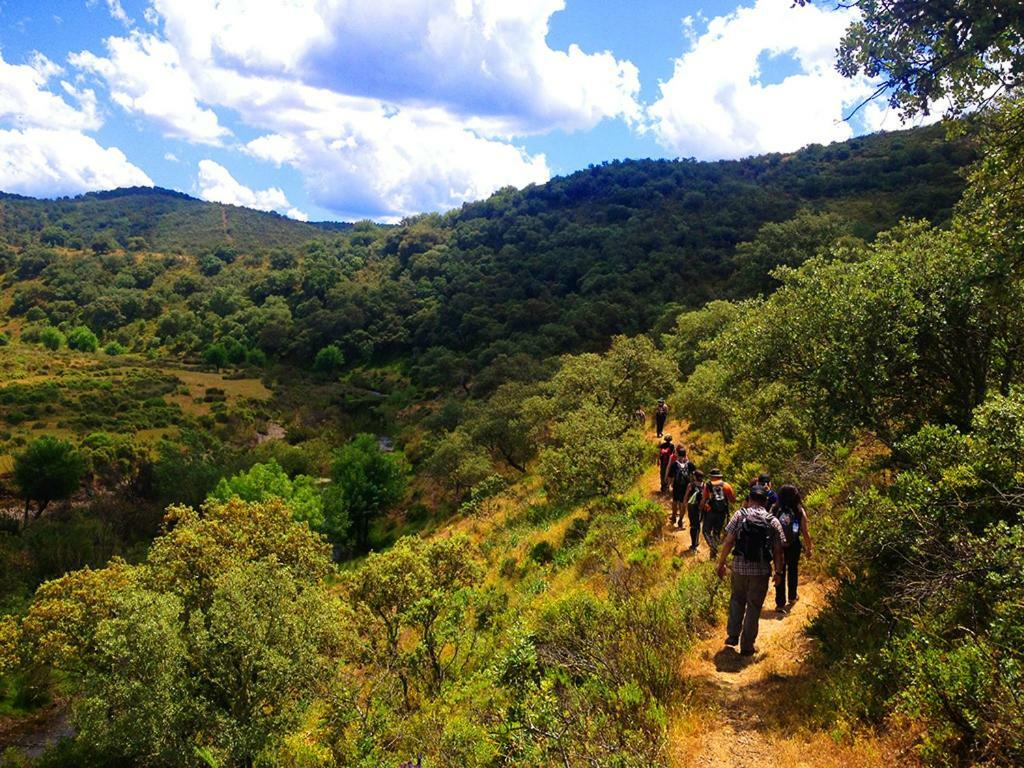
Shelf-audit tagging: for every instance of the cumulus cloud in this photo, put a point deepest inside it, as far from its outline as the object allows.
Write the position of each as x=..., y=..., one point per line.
x=26, y=101
x=717, y=103
x=482, y=59
x=385, y=109
x=43, y=150
x=217, y=185
x=145, y=76
x=49, y=162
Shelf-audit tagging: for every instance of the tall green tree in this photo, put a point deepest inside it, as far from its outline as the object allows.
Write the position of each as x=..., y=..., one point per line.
x=47, y=470
x=366, y=481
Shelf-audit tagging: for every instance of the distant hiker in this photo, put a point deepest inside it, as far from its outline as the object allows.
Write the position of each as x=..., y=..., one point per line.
x=660, y=415
x=666, y=451
x=640, y=417
x=754, y=537
x=693, y=501
x=765, y=481
x=717, y=499
x=792, y=517
x=680, y=469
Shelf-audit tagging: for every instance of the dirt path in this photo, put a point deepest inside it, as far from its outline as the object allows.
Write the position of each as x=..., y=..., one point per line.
x=744, y=712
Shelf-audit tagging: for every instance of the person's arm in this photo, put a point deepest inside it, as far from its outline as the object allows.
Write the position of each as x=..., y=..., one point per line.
x=723, y=554
x=704, y=496
x=778, y=551
x=730, y=494
x=805, y=532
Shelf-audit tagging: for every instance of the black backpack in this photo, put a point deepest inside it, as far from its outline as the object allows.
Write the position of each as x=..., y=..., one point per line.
x=789, y=519
x=754, y=539
x=718, y=502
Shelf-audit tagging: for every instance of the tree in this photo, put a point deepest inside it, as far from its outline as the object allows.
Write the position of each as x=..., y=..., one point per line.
x=47, y=470
x=219, y=639
x=958, y=52
x=366, y=481
x=216, y=355
x=329, y=359
x=82, y=339
x=592, y=454
x=262, y=482
x=51, y=338
x=412, y=606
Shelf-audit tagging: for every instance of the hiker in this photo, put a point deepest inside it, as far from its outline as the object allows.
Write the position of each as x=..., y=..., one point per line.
x=754, y=537
x=660, y=415
x=716, y=500
x=693, y=501
x=640, y=417
x=679, y=471
x=792, y=517
x=666, y=451
x=765, y=481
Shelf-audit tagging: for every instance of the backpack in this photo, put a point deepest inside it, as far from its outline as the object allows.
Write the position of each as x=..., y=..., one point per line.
x=789, y=519
x=718, y=502
x=665, y=454
x=754, y=539
x=680, y=471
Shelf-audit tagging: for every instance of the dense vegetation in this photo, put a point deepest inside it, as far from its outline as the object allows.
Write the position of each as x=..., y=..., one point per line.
x=847, y=317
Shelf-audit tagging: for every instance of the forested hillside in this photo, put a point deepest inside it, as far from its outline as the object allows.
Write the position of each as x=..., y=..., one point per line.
x=376, y=496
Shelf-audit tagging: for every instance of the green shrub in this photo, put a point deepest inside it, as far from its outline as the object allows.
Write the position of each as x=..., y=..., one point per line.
x=51, y=338
x=83, y=339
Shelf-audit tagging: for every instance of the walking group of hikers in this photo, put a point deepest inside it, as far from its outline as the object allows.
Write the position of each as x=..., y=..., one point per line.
x=765, y=536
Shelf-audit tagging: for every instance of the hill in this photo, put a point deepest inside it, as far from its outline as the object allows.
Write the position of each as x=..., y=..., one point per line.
x=149, y=218
x=560, y=267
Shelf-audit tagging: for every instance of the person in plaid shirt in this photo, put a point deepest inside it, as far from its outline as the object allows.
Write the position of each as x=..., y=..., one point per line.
x=757, y=537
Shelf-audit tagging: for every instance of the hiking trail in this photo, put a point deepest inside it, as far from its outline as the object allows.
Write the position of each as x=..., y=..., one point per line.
x=744, y=712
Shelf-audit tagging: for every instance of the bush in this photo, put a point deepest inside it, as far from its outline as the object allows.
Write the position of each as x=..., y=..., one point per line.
x=83, y=339
x=329, y=359
x=115, y=348
x=51, y=338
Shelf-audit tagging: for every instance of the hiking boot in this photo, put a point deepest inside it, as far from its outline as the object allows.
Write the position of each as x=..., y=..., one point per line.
x=732, y=641
x=781, y=609
x=748, y=651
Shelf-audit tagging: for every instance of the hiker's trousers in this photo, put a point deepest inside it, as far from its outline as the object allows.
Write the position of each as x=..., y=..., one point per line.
x=748, y=594
x=694, y=512
x=790, y=574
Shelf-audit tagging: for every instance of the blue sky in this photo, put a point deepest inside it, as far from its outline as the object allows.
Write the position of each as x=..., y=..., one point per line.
x=348, y=109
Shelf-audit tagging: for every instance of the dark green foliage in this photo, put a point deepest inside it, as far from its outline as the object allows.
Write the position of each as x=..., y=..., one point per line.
x=48, y=469
x=329, y=359
x=365, y=482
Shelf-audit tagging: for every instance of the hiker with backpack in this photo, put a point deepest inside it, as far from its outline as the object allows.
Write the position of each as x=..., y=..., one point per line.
x=660, y=416
x=765, y=481
x=680, y=470
x=717, y=499
x=640, y=417
x=693, y=502
x=754, y=537
x=790, y=512
x=666, y=452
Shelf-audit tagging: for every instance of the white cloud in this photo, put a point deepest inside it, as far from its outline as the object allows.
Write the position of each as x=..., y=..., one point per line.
x=145, y=76
x=386, y=109
x=115, y=9
x=170, y=157
x=26, y=102
x=50, y=162
x=716, y=103
x=483, y=59
x=216, y=184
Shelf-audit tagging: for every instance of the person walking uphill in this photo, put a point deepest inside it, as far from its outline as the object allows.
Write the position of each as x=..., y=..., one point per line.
x=693, y=502
x=660, y=416
x=793, y=517
x=716, y=502
x=666, y=452
x=680, y=470
x=754, y=537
